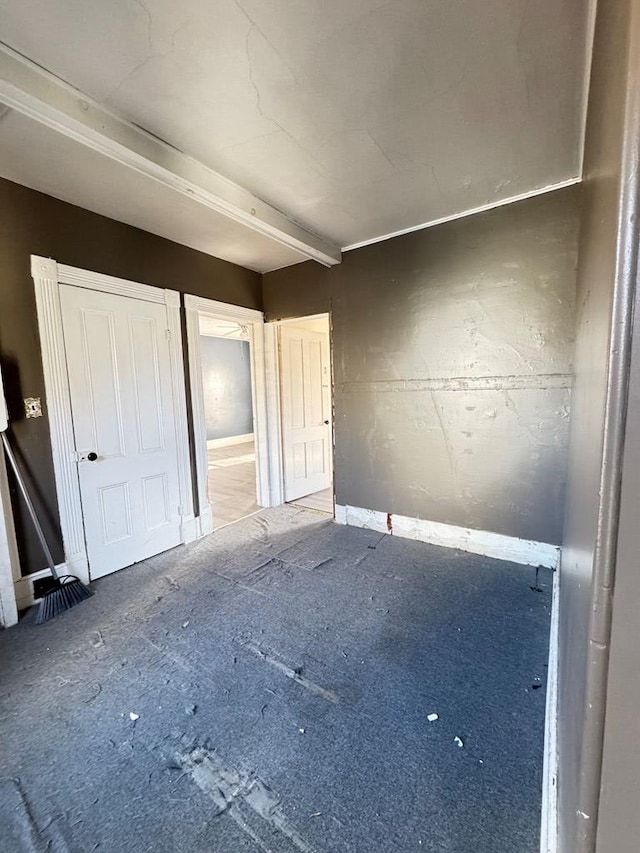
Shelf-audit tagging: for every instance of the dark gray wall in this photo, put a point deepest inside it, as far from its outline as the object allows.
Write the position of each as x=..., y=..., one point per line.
x=608, y=249
x=452, y=352
x=226, y=380
x=33, y=223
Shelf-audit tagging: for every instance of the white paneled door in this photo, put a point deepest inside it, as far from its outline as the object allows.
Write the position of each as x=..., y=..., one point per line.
x=119, y=370
x=306, y=416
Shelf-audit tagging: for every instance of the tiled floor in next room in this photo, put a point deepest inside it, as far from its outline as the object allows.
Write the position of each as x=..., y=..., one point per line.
x=322, y=501
x=232, y=485
x=232, y=482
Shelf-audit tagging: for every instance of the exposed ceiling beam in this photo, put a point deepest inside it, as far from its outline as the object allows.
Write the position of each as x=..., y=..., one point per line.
x=41, y=96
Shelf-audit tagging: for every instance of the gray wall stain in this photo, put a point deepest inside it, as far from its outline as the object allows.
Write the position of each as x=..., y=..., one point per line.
x=226, y=385
x=430, y=331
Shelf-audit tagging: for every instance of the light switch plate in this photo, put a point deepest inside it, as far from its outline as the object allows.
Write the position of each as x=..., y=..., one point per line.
x=33, y=407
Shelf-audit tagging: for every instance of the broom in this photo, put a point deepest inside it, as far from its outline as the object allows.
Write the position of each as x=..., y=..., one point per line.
x=67, y=589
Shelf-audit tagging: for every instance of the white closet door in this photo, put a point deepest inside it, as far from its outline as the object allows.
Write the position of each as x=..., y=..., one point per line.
x=119, y=371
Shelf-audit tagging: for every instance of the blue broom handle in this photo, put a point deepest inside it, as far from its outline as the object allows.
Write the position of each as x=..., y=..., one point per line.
x=30, y=506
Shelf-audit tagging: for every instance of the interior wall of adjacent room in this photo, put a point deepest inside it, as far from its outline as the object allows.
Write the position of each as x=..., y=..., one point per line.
x=33, y=223
x=226, y=385
x=452, y=356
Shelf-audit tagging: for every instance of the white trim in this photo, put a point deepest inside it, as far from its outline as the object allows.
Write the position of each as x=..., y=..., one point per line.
x=483, y=542
x=254, y=320
x=205, y=522
x=263, y=444
x=190, y=529
x=464, y=213
x=274, y=412
x=43, y=97
x=340, y=514
x=588, y=62
x=549, y=814
x=230, y=441
x=24, y=586
x=47, y=276
x=223, y=310
x=9, y=562
x=119, y=286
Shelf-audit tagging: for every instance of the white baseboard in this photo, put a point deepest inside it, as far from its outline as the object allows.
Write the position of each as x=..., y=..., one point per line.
x=24, y=586
x=205, y=522
x=189, y=528
x=549, y=815
x=482, y=542
x=214, y=443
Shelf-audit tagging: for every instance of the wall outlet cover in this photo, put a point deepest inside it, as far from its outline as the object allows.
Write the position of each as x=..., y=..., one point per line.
x=33, y=407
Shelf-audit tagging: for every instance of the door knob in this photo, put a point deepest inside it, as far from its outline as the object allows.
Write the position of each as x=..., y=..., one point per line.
x=92, y=456
x=327, y=423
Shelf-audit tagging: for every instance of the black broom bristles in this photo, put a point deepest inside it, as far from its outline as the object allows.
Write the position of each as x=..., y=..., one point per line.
x=68, y=591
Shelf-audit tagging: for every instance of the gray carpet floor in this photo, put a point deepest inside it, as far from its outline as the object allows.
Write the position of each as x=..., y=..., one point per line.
x=269, y=688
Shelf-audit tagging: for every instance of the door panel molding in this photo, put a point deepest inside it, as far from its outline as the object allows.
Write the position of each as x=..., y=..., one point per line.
x=195, y=306
x=275, y=380
x=47, y=276
x=110, y=284
x=306, y=406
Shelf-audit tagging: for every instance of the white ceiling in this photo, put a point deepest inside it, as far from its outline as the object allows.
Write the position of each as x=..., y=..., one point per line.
x=355, y=118
x=33, y=155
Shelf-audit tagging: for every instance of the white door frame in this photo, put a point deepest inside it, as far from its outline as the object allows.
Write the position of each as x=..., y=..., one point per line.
x=195, y=307
x=274, y=401
x=48, y=275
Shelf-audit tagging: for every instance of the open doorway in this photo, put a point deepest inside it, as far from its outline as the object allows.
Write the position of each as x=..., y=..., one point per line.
x=228, y=404
x=228, y=409
x=306, y=412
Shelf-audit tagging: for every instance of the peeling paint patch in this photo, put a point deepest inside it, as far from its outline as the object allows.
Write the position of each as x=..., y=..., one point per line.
x=245, y=798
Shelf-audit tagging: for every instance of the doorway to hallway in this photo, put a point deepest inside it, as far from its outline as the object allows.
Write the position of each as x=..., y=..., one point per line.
x=306, y=411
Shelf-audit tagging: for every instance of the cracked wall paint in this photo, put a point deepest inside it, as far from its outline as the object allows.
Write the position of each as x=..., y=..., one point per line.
x=452, y=353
